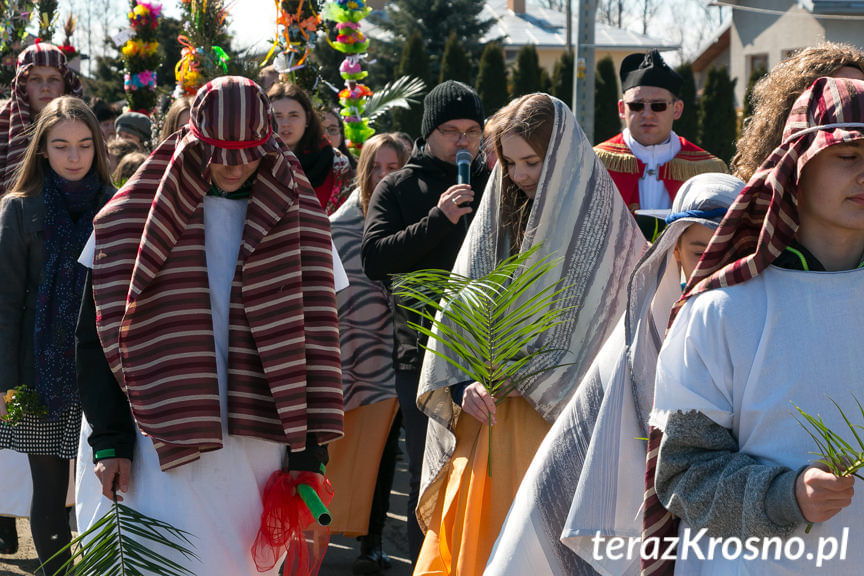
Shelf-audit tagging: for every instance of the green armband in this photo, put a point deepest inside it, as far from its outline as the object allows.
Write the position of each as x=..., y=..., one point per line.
x=103, y=454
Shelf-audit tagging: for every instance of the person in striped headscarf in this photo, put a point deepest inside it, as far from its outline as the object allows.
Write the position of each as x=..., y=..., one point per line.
x=212, y=321
x=769, y=320
x=41, y=75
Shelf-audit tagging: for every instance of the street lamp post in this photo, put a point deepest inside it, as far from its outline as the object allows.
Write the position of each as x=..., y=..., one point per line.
x=583, y=68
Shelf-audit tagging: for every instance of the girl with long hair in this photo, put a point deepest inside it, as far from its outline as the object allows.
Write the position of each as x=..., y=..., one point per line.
x=45, y=220
x=299, y=126
x=548, y=191
x=363, y=461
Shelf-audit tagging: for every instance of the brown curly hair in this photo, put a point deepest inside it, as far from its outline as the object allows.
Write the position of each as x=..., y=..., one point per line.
x=774, y=95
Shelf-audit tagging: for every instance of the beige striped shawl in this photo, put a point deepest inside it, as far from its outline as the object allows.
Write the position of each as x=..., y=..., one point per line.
x=153, y=308
x=579, y=216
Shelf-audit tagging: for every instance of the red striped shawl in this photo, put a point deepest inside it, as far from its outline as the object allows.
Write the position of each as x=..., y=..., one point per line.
x=759, y=225
x=15, y=114
x=153, y=308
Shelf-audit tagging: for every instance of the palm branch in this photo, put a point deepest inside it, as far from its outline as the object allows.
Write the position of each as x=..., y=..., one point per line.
x=400, y=93
x=117, y=547
x=842, y=458
x=486, y=326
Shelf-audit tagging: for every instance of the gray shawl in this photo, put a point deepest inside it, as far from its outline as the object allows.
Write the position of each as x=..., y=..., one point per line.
x=578, y=216
x=365, y=317
x=588, y=474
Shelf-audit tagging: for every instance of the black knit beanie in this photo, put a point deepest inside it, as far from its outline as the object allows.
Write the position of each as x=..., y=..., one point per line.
x=450, y=100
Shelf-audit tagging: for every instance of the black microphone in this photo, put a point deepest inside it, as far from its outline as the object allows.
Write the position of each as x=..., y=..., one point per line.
x=463, y=165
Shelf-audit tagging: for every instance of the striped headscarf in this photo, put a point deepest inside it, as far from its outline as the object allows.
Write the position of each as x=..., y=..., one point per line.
x=759, y=225
x=15, y=114
x=152, y=298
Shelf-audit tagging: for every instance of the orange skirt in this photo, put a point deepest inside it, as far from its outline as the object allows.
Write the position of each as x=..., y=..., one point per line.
x=353, y=467
x=473, y=504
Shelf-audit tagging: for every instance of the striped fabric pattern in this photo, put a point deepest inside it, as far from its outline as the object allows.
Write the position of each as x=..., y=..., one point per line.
x=15, y=114
x=759, y=225
x=151, y=290
x=365, y=317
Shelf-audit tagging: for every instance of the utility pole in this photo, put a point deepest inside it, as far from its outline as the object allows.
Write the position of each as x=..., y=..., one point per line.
x=569, y=26
x=583, y=72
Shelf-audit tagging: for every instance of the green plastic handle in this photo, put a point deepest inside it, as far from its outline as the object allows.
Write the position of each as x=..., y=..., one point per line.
x=314, y=504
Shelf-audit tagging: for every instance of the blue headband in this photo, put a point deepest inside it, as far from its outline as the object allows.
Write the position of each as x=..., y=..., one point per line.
x=703, y=214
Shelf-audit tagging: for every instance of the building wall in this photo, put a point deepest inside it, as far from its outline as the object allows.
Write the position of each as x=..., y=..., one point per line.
x=756, y=36
x=724, y=58
x=549, y=56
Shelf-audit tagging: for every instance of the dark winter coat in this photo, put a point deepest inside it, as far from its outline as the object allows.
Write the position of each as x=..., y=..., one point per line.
x=406, y=231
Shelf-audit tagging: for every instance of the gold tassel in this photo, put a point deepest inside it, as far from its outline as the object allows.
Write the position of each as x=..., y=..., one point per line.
x=681, y=170
x=614, y=162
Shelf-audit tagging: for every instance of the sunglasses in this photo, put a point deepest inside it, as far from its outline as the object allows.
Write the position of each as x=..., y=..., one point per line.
x=655, y=106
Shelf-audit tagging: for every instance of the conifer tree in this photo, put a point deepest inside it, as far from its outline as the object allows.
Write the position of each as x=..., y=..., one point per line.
x=688, y=124
x=606, y=121
x=436, y=21
x=755, y=76
x=562, y=79
x=455, y=64
x=718, y=124
x=413, y=63
x=527, y=77
x=492, y=79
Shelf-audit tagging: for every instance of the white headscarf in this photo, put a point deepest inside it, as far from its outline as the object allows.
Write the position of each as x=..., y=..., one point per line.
x=588, y=474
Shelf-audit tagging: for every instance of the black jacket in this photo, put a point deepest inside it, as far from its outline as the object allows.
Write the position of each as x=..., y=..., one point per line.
x=406, y=231
x=22, y=239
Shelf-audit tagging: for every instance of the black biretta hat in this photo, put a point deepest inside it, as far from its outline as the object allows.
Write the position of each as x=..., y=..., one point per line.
x=648, y=70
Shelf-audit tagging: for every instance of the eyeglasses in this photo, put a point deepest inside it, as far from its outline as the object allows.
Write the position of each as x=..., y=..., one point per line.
x=638, y=106
x=454, y=134
x=333, y=131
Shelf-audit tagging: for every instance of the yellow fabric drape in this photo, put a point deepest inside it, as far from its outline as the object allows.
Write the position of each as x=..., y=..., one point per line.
x=472, y=506
x=353, y=467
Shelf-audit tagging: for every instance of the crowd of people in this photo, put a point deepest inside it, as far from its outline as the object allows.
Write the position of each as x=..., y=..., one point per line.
x=196, y=305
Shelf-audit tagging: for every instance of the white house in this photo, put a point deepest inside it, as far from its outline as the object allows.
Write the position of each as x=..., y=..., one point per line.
x=763, y=32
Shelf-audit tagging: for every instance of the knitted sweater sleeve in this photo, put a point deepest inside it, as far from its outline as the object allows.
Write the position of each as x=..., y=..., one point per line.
x=704, y=479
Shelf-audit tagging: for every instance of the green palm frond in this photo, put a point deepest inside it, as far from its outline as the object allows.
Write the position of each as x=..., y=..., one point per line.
x=841, y=457
x=400, y=93
x=488, y=325
x=117, y=547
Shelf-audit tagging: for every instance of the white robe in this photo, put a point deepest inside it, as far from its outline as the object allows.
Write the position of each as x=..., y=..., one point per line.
x=743, y=356
x=16, y=486
x=217, y=498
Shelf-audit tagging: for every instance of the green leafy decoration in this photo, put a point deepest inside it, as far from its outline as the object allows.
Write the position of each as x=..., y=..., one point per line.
x=841, y=458
x=22, y=402
x=117, y=547
x=487, y=325
x=401, y=93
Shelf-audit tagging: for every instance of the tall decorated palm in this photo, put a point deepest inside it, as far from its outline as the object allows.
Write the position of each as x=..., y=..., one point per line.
x=487, y=326
x=201, y=59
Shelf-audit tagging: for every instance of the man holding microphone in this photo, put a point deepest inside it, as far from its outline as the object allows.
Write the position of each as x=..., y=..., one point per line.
x=416, y=219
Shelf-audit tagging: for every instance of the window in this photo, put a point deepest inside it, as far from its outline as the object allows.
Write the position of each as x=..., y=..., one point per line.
x=757, y=61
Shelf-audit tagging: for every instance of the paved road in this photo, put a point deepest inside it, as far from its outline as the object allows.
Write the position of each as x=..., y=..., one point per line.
x=337, y=562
